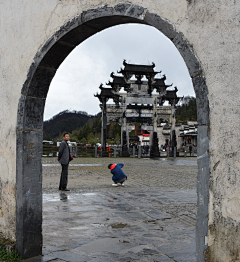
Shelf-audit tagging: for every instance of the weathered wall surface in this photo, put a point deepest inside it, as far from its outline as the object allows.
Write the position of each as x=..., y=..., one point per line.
x=215, y=24
x=212, y=29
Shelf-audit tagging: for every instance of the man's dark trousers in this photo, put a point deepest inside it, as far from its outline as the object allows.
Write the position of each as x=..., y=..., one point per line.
x=64, y=177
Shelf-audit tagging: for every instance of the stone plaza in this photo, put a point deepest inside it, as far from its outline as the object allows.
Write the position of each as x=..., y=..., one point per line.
x=151, y=218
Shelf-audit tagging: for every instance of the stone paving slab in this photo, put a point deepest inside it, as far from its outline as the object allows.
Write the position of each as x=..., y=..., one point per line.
x=151, y=219
x=99, y=227
x=115, y=226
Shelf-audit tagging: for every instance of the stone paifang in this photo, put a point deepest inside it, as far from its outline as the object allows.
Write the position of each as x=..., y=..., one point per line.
x=137, y=105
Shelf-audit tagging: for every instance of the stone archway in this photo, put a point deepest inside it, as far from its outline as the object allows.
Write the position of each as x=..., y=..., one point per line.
x=31, y=109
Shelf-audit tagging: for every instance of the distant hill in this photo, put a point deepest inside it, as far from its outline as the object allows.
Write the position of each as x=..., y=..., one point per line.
x=65, y=121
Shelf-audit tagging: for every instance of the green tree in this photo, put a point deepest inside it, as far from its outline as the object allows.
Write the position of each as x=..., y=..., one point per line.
x=116, y=130
x=46, y=136
x=86, y=130
x=83, y=140
x=187, y=110
x=74, y=136
x=90, y=136
x=113, y=129
x=97, y=124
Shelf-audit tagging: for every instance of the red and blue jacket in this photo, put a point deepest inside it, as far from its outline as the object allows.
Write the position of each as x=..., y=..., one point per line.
x=116, y=170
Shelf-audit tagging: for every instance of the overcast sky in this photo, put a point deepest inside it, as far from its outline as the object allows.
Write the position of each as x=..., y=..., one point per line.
x=91, y=63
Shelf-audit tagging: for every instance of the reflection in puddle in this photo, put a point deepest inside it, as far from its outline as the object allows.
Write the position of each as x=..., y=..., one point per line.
x=65, y=209
x=50, y=198
x=63, y=197
x=58, y=196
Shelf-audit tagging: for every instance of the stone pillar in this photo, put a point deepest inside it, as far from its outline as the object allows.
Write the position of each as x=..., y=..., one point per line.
x=154, y=148
x=124, y=140
x=104, y=152
x=173, y=139
x=173, y=143
x=139, y=150
x=125, y=151
x=127, y=134
x=29, y=193
x=115, y=151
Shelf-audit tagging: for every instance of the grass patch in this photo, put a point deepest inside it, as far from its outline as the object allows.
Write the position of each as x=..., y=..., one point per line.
x=8, y=256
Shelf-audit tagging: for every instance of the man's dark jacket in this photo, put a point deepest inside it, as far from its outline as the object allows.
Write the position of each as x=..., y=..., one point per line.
x=64, y=153
x=117, y=172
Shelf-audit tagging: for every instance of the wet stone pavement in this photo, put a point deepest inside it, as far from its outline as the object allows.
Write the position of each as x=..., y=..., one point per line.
x=152, y=218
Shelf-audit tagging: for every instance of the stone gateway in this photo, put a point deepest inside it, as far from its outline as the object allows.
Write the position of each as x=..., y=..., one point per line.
x=137, y=105
x=36, y=37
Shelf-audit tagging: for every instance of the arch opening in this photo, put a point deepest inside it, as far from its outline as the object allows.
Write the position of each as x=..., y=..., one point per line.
x=31, y=109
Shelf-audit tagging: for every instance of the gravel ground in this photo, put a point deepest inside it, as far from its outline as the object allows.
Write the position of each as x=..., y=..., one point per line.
x=92, y=174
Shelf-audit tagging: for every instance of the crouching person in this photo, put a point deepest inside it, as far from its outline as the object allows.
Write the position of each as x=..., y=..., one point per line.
x=118, y=174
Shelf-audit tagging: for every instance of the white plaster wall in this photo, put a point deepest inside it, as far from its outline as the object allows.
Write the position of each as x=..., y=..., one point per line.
x=218, y=48
x=212, y=28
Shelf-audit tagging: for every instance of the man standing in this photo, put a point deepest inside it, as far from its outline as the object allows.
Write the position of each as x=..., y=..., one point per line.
x=64, y=158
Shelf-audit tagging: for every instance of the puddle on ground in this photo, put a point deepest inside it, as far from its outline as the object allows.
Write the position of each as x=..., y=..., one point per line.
x=150, y=221
x=79, y=228
x=97, y=225
x=112, y=245
x=50, y=198
x=124, y=241
x=89, y=194
x=56, y=197
x=119, y=225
